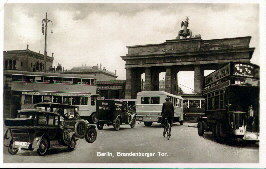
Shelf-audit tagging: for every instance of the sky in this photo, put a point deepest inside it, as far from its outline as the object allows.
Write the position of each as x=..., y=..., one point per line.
x=91, y=33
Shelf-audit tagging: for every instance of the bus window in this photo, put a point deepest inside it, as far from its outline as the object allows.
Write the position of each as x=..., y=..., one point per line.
x=93, y=100
x=28, y=99
x=66, y=100
x=155, y=100
x=145, y=100
x=76, y=100
x=84, y=100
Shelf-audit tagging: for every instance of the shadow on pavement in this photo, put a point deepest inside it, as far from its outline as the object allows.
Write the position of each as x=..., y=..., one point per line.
x=233, y=142
x=50, y=152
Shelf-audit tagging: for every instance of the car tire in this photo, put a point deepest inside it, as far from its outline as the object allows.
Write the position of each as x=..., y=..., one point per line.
x=116, y=124
x=200, y=129
x=11, y=149
x=181, y=123
x=93, y=118
x=133, y=122
x=99, y=126
x=72, y=144
x=80, y=129
x=91, y=135
x=147, y=124
x=43, y=147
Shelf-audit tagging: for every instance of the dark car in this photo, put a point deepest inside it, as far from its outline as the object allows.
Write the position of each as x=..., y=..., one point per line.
x=114, y=112
x=47, y=125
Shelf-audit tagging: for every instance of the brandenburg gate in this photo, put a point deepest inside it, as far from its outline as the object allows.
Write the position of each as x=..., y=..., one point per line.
x=185, y=53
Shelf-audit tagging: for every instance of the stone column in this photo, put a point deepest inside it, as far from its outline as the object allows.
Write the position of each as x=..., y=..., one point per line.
x=133, y=83
x=198, y=79
x=155, y=80
x=171, y=80
x=136, y=83
x=128, y=83
x=147, y=86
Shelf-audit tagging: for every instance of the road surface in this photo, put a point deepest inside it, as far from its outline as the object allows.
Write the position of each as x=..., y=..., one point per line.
x=146, y=145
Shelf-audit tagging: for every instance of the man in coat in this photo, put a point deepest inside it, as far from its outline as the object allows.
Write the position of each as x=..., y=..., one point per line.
x=167, y=112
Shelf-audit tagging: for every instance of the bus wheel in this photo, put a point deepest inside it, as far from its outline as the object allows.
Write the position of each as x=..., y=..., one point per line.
x=148, y=124
x=99, y=126
x=218, y=132
x=200, y=129
x=116, y=124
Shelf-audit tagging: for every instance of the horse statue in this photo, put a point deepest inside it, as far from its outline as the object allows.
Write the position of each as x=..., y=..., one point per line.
x=185, y=32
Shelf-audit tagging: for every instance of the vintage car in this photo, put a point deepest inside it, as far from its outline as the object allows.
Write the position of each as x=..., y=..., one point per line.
x=114, y=112
x=47, y=125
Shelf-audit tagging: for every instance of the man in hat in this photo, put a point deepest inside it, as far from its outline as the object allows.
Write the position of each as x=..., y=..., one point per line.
x=167, y=113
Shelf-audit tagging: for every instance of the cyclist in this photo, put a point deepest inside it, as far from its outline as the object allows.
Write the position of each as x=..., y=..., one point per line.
x=167, y=113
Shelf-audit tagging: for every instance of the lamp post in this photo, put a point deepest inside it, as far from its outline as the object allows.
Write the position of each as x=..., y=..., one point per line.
x=44, y=32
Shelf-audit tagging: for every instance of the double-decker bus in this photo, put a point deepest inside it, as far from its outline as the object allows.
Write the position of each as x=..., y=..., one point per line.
x=232, y=102
x=149, y=106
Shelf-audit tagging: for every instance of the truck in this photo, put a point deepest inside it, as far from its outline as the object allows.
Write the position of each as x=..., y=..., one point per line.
x=232, y=103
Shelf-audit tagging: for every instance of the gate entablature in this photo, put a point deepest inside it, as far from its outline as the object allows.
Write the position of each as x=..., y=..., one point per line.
x=189, y=51
x=183, y=53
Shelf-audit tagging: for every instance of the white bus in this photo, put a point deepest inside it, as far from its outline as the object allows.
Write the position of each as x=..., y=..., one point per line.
x=149, y=106
x=85, y=102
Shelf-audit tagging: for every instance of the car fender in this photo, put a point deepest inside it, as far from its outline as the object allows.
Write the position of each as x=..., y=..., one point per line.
x=91, y=126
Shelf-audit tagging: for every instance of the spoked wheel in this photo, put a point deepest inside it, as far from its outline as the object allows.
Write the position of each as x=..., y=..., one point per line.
x=72, y=144
x=91, y=135
x=117, y=124
x=11, y=148
x=43, y=147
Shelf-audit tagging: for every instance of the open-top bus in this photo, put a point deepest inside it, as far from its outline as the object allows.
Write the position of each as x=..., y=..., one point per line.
x=149, y=106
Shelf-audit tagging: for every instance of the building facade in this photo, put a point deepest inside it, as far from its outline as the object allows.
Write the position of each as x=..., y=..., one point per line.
x=26, y=60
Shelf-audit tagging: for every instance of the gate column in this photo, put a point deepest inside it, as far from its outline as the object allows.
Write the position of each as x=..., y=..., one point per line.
x=154, y=79
x=171, y=80
x=136, y=83
x=198, y=79
x=133, y=83
x=148, y=85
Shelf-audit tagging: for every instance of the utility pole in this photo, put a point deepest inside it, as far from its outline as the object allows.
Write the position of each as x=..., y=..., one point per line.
x=44, y=32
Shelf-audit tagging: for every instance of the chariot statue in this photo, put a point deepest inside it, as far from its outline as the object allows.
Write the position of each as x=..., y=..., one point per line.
x=185, y=32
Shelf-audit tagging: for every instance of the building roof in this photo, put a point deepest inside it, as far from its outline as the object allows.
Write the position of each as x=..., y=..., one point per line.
x=47, y=74
x=90, y=70
x=27, y=51
x=111, y=82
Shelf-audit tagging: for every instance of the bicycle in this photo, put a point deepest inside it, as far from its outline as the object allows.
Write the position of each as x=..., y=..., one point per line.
x=167, y=129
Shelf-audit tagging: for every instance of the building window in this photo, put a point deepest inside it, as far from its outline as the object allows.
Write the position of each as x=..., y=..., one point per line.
x=21, y=64
x=14, y=64
x=6, y=64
